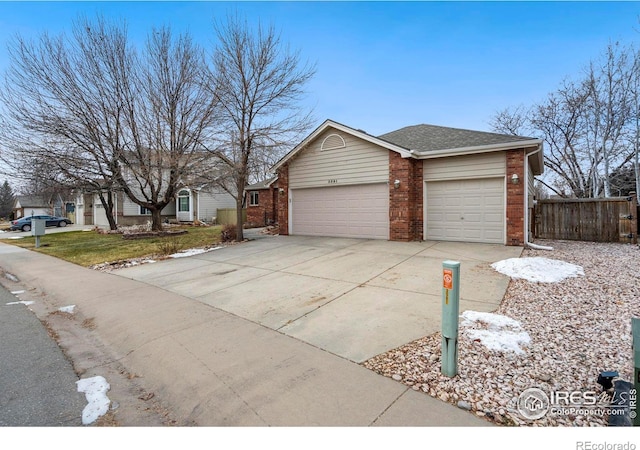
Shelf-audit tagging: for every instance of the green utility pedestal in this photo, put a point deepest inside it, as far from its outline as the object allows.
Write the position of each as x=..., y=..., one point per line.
x=450, y=313
x=635, y=330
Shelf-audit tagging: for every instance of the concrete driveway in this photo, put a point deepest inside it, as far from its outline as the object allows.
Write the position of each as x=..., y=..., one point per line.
x=355, y=298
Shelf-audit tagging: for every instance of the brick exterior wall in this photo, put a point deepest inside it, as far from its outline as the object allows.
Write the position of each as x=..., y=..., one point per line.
x=405, y=202
x=283, y=200
x=266, y=211
x=515, y=198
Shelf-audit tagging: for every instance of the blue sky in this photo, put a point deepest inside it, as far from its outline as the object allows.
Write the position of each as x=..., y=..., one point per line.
x=385, y=65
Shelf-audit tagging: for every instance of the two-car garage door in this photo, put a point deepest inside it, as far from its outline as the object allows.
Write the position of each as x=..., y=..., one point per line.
x=358, y=211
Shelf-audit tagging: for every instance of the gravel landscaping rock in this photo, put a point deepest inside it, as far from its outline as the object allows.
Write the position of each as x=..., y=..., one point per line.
x=578, y=327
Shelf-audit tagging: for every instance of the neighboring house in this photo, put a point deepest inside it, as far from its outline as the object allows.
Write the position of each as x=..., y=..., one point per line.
x=33, y=205
x=30, y=205
x=189, y=205
x=261, y=200
x=420, y=182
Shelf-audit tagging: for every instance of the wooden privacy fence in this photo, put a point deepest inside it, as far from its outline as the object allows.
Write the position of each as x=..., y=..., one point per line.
x=227, y=216
x=591, y=219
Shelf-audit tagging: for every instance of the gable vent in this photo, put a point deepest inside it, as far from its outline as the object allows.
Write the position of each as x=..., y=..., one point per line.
x=333, y=141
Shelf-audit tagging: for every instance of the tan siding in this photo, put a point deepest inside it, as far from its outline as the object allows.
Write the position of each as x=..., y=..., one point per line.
x=483, y=165
x=129, y=208
x=530, y=188
x=211, y=201
x=530, y=212
x=357, y=163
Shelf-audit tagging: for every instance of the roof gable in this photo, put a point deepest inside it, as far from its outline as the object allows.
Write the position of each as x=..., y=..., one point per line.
x=327, y=124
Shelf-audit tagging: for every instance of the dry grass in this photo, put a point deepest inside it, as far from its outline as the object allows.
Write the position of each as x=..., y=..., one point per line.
x=88, y=248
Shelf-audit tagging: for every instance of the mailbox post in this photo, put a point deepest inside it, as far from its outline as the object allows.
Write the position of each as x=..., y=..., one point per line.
x=37, y=229
x=450, y=313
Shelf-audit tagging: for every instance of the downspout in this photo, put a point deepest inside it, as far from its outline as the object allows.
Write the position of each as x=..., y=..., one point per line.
x=526, y=205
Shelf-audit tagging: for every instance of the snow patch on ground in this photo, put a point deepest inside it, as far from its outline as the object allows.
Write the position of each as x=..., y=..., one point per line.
x=538, y=269
x=23, y=302
x=95, y=391
x=11, y=277
x=502, y=333
x=68, y=309
x=192, y=252
x=17, y=292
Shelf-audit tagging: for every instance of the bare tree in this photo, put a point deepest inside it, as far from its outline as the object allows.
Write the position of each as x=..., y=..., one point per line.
x=586, y=125
x=514, y=121
x=608, y=84
x=634, y=135
x=103, y=116
x=258, y=84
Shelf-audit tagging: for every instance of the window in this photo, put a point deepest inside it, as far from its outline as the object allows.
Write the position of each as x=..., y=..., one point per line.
x=144, y=211
x=333, y=141
x=253, y=200
x=183, y=201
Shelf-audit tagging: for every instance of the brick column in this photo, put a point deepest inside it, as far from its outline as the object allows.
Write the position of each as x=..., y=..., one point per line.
x=515, y=197
x=283, y=200
x=405, y=201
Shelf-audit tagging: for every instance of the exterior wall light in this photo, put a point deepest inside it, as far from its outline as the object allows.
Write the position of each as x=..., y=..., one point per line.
x=281, y=190
x=396, y=184
x=515, y=179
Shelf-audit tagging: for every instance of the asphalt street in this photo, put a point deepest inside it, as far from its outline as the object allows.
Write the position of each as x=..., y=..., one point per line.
x=37, y=382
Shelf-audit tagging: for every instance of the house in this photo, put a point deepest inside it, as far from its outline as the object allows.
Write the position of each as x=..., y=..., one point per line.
x=33, y=205
x=30, y=205
x=189, y=205
x=420, y=182
x=261, y=200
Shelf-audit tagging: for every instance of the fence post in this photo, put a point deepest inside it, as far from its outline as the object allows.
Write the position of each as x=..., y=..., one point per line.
x=634, y=211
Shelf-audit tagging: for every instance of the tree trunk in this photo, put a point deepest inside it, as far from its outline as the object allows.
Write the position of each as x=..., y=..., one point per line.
x=156, y=220
x=239, y=218
x=107, y=204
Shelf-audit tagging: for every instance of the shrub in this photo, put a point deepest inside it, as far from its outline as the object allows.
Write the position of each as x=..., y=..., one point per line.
x=228, y=233
x=169, y=246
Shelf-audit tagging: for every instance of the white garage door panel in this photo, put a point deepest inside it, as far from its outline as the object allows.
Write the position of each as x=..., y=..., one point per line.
x=360, y=211
x=466, y=210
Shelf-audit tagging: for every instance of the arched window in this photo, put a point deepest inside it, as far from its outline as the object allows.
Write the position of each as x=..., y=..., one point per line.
x=332, y=142
x=183, y=200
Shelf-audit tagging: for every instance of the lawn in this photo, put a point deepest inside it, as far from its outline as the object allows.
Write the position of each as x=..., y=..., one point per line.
x=86, y=248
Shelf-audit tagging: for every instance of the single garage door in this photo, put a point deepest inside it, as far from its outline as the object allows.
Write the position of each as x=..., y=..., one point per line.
x=358, y=211
x=466, y=210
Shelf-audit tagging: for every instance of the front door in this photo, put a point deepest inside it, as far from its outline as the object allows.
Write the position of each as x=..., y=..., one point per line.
x=185, y=206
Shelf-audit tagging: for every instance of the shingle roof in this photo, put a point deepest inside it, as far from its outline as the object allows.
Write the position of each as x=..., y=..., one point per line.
x=31, y=201
x=431, y=137
x=265, y=184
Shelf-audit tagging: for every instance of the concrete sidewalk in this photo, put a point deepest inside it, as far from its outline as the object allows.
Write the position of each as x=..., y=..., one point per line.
x=213, y=368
